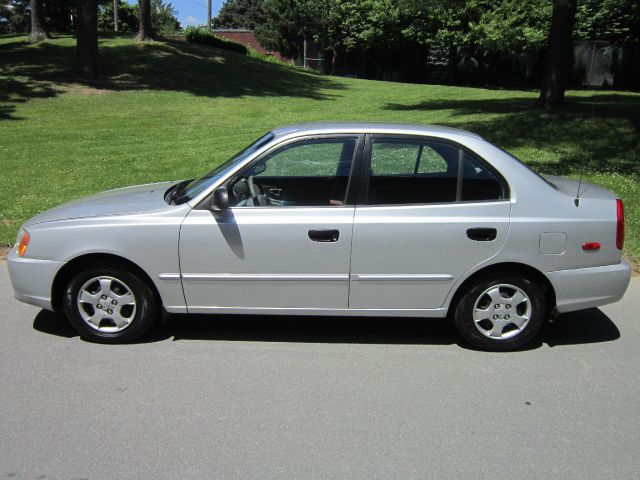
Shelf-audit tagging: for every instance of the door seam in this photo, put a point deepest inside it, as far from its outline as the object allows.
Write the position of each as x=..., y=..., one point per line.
x=353, y=224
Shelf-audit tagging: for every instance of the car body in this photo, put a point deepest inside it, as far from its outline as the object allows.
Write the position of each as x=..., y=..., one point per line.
x=345, y=219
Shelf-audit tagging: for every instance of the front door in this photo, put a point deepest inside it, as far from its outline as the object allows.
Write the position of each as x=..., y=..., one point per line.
x=433, y=211
x=285, y=241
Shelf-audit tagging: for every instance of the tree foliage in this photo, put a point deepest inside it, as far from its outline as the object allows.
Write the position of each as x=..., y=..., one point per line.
x=15, y=16
x=127, y=17
x=164, y=19
x=284, y=27
x=483, y=26
x=617, y=21
x=512, y=26
x=244, y=14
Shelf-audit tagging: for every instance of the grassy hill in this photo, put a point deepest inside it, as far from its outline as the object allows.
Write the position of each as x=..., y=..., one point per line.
x=170, y=110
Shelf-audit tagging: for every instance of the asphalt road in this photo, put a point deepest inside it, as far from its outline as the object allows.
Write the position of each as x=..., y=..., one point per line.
x=270, y=397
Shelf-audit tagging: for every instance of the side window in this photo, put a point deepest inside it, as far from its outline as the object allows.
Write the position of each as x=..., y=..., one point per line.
x=478, y=182
x=306, y=173
x=407, y=171
x=412, y=171
x=406, y=158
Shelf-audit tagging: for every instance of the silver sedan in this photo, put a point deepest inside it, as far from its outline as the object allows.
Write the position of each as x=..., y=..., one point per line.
x=334, y=219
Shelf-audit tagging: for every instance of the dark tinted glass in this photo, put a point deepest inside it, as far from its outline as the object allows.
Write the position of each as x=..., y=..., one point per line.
x=478, y=182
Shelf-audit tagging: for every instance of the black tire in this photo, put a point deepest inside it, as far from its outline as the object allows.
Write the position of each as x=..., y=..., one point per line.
x=141, y=314
x=483, y=334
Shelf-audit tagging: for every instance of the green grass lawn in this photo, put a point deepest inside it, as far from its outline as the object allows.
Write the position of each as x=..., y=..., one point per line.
x=171, y=110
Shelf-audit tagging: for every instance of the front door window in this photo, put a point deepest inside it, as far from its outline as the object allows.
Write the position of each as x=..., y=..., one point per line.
x=308, y=173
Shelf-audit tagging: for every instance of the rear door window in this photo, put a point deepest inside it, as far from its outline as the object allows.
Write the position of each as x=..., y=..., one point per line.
x=410, y=171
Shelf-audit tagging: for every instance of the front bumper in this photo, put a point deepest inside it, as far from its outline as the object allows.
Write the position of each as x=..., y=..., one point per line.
x=581, y=288
x=32, y=279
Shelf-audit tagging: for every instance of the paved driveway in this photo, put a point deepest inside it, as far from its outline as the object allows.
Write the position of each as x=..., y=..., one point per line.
x=268, y=397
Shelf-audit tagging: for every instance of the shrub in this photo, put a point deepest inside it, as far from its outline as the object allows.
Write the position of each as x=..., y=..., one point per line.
x=253, y=53
x=204, y=36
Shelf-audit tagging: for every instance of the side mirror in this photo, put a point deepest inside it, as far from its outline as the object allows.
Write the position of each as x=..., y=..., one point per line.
x=220, y=199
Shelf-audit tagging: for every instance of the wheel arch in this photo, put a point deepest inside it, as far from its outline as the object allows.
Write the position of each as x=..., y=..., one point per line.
x=508, y=268
x=83, y=261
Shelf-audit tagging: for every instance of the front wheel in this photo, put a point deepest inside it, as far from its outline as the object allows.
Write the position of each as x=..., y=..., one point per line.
x=108, y=304
x=502, y=313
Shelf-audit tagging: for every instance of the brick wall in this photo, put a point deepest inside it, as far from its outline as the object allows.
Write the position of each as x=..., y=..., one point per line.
x=246, y=37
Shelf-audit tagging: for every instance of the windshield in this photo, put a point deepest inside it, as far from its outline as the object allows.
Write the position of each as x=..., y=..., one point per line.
x=185, y=191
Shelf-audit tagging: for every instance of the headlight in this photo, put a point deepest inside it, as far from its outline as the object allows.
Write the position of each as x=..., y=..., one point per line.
x=22, y=242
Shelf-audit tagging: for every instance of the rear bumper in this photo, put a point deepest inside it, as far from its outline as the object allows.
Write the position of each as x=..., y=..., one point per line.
x=32, y=279
x=581, y=288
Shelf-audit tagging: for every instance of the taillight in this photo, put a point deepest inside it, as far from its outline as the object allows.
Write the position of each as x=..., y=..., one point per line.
x=23, y=243
x=619, y=224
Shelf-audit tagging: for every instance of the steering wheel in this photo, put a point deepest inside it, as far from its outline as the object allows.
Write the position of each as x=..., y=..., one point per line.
x=256, y=191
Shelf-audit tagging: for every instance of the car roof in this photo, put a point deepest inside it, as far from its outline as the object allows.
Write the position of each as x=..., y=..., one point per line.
x=369, y=127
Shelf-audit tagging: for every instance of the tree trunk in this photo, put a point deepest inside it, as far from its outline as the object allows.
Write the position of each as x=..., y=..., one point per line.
x=144, y=28
x=38, y=32
x=452, y=64
x=334, y=61
x=558, y=59
x=86, y=61
x=115, y=15
x=209, y=15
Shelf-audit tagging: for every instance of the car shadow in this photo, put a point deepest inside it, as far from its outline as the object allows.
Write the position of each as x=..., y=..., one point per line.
x=53, y=323
x=584, y=326
x=587, y=326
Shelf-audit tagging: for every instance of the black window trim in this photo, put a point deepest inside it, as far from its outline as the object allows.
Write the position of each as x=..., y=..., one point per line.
x=363, y=197
x=352, y=187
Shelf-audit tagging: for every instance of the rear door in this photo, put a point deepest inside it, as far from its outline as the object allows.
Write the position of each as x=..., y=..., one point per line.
x=430, y=211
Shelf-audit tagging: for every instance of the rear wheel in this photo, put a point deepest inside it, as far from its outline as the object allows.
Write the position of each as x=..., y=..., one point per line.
x=109, y=304
x=501, y=313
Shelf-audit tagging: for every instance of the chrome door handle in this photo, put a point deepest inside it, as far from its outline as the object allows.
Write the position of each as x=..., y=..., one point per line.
x=324, y=235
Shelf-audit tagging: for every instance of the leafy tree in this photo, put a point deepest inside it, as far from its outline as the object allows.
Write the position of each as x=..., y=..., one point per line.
x=448, y=23
x=127, y=17
x=245, y=14
x=370, y=24
x=163, y=18
x=617, y=21
x=14, y=16
x=512, y=26
x=284, y=27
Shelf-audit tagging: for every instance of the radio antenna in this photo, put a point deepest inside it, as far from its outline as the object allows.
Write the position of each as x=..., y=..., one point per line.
x=593, y=114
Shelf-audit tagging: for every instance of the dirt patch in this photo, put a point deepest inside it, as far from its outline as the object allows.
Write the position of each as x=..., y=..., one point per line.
x=4, y=251
x=635, y=267
x=83, y=89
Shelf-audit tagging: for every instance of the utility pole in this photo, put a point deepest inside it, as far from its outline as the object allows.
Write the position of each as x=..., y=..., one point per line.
x=209, y=14
x=115, y=15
